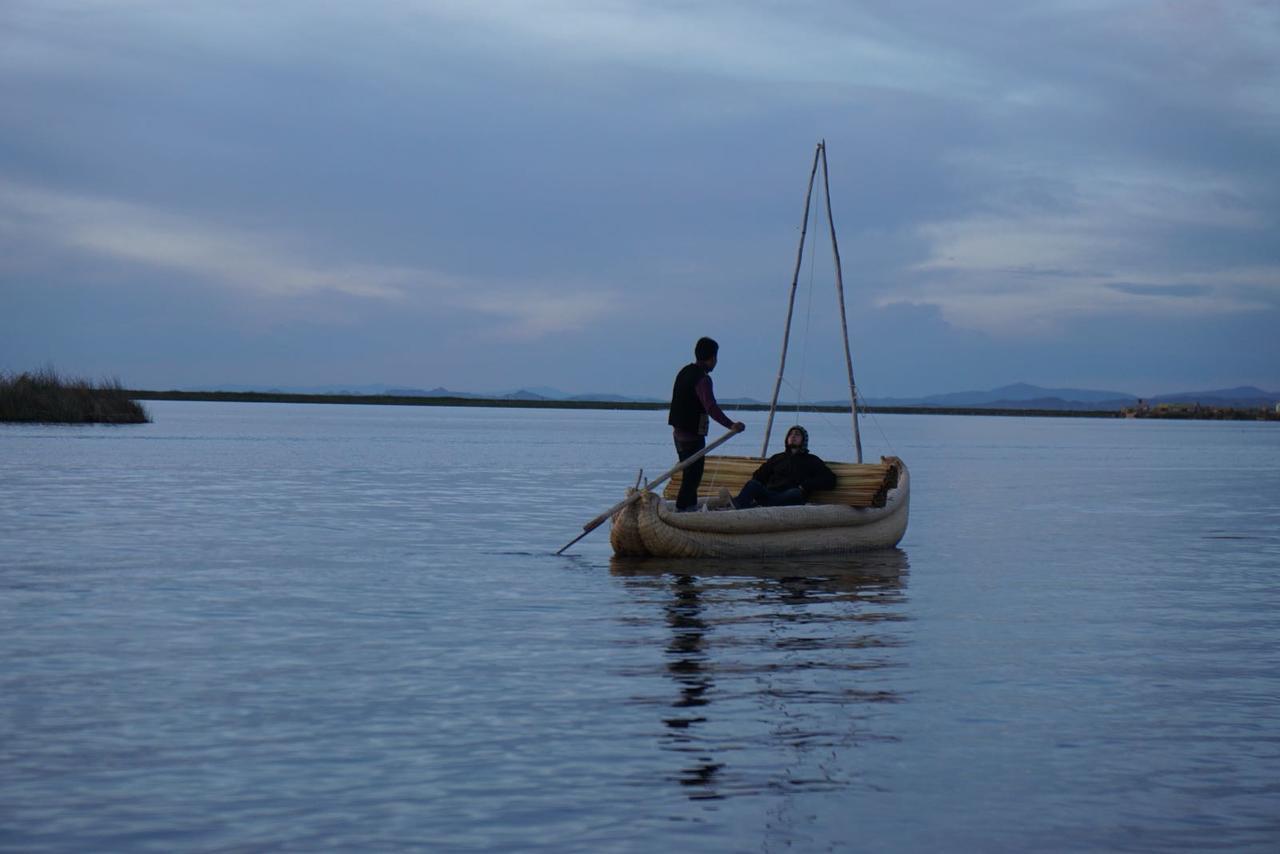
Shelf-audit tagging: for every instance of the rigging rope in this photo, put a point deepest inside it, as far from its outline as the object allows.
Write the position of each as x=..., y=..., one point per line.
x=887, y=444
x=828, y=421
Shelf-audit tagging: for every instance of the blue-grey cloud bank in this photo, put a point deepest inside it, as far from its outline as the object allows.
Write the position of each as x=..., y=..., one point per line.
x=553, y=192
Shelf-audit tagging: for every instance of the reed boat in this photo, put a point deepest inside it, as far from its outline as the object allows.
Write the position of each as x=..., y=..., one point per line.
x=867, y=510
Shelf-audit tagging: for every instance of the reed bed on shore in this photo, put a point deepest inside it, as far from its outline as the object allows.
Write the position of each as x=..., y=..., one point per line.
x=857, y=484
x=45, y=397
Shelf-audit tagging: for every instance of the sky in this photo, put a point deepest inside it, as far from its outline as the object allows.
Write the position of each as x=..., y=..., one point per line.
x=488, y=196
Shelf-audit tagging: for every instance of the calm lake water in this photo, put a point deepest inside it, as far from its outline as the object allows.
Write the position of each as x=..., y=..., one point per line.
x=342, y=628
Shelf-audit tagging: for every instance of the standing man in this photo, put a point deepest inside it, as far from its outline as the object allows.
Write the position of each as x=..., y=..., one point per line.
x=692, y=401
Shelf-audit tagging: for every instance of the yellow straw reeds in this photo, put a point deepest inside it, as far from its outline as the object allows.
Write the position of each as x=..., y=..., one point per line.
x=857, y=484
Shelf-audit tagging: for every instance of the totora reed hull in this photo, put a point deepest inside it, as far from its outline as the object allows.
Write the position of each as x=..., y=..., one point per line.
x=650, y=527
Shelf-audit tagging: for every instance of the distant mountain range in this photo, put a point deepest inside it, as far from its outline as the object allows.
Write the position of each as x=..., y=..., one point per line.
x=535, y=393
x=1025, y=396
x=1016, y=396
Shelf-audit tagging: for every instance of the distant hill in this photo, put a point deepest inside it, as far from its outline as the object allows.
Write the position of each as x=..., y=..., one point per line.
x=1061, y=405
x=1241, y=397
x=524, y=394
x=1018, y=396
x=376, y=388
x=1015, y=396
x=615, y=398
x=438, y=391
x=542, y=392
x=548, y=393
x=1026, y=396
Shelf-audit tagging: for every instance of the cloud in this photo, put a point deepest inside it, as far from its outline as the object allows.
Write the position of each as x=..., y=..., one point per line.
x=1160, y=290
x=275, y=265
x=805, y=43
x=521, y=169
x=135, y=234
x=538, y=311
x=827, y=43
x=1099, y=245
x=1030, y=302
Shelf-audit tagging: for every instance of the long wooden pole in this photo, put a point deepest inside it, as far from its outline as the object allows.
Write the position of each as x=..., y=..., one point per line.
x=844, y=324
x=635, y=496
x=791, y=304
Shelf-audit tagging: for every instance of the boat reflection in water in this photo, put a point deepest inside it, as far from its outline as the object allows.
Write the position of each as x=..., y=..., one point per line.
x=779, y=665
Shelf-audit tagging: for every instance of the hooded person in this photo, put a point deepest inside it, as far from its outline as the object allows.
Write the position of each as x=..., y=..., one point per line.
x=788, y=477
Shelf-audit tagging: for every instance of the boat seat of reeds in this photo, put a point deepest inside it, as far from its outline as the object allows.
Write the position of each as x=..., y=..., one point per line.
x=857, y=484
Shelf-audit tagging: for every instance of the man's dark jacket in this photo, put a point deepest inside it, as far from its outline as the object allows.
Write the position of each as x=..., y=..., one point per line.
x=787, y=470
x=687, y=412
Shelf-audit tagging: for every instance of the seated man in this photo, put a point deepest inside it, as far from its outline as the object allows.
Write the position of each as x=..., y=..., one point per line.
x=786, y=478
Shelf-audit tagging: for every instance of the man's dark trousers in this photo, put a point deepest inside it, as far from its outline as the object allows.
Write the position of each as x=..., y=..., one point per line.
x=692, y=476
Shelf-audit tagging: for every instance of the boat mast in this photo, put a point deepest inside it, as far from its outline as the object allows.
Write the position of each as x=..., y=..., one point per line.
x=791, y=304
x=819, y=153
x=844, y=324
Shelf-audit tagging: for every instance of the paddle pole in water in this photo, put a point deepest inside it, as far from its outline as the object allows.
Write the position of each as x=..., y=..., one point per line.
x=684, y=464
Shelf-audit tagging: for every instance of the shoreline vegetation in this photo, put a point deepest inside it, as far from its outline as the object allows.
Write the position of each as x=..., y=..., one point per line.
x=1171, y=412
x=44, y=397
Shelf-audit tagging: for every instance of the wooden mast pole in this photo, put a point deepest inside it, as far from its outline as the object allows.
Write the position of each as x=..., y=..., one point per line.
x=844, y=324
x=791, y=304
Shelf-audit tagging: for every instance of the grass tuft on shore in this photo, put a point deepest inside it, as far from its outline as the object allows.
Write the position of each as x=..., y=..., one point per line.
x=44, y=397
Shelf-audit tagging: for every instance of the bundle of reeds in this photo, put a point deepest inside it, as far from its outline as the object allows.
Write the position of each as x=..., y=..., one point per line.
x=44, y=396
x=857, y=484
